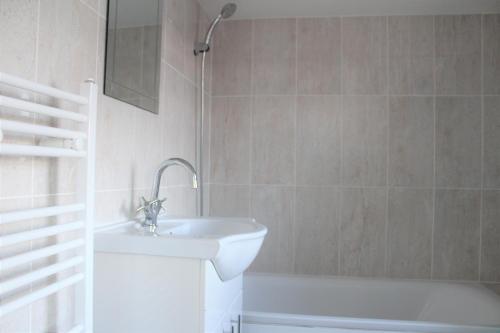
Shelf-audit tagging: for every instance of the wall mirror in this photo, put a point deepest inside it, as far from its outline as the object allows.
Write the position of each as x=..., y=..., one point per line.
x=133, y=52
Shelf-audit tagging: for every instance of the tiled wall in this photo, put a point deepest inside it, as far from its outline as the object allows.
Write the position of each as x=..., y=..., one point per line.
x=368, y=145
x=61, y=43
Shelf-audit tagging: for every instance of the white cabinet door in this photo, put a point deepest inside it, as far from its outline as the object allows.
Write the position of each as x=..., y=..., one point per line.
x=222, y=301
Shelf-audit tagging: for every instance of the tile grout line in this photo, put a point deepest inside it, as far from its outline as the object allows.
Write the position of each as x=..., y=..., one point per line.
x=434, y=155
x=252, y=106
x=481, y=198
x=295, y=106
x=340, y=194
x=32, y=203
x=93, y=10
x=336, y=186
x=349, y=95
x=387, y=148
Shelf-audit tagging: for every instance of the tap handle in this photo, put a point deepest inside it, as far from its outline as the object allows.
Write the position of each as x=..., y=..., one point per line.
x=146, y=203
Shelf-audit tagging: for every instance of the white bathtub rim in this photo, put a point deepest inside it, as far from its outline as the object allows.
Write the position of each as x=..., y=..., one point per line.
x=326, y=278
x=270, y=318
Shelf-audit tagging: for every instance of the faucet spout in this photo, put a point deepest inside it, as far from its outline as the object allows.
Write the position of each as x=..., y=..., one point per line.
x=166, y=164
x=152, y=207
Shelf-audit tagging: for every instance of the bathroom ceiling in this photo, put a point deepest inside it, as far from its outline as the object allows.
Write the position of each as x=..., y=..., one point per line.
x=312, y=8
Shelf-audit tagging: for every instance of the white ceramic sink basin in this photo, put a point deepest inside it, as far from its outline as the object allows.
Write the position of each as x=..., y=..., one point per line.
x=231, y=244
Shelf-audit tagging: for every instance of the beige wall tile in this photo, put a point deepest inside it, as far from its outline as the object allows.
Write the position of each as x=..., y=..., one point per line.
x=491, y=54
x=173, y=45
x=175, y=12
x=362, y=232
x=181, y=201
x=114, y=143
x=318, y=56
x=116, y=206
x=229, y=200
x=94, y=4
x=316, y=231
x=409, y=242
x=17, y=321
x=458, y=54
x=203, y=25
x=19, y=18
x=16, y=176
x=318, y=140
x=364, y=55
x=54, y=313
x=273, y=144
x=191, y=36
x=103, y=7
x=178, y=125
x=411, y=55
x=411, y=141
x=273, y=206
x=364, y=140
x=490, y=246
x=207, y=139
x=458, y=141
x=230, y=144
x=456, y=235
x=67, y=41
x=491, y=142
x=232, y=58
x=147, y=147
x=274, y=56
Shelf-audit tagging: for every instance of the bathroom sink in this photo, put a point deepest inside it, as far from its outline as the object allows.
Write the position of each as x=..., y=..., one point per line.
x=231, y=244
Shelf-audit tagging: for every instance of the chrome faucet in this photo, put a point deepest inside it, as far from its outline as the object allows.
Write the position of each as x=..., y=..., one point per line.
x=152, y=207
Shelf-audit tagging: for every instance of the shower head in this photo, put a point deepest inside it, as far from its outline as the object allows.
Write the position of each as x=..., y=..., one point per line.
x=226, y=12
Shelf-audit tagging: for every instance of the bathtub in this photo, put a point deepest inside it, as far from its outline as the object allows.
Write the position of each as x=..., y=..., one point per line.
x=288, y=304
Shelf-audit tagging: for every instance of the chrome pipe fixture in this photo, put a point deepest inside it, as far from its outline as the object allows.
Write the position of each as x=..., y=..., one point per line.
x=202, y=48
x=152, y=207
x=226, y=12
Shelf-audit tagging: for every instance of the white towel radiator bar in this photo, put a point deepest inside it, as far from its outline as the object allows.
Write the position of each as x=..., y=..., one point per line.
x=26, y=279
x=20, y=291
x=40, y=293
x=25, y=236
x=40, y=212
x=45, y=252
x=50, y=111
x=28, y=150
x=24, y=84
x=29, y=129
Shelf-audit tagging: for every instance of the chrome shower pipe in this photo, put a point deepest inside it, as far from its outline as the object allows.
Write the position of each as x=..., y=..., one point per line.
x=202, y=48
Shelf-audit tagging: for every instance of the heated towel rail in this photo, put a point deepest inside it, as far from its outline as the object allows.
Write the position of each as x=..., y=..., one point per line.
x=77, y=253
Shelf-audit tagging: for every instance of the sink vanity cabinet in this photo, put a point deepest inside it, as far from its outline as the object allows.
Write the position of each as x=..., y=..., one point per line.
x=185, y=279
x=153, y=294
